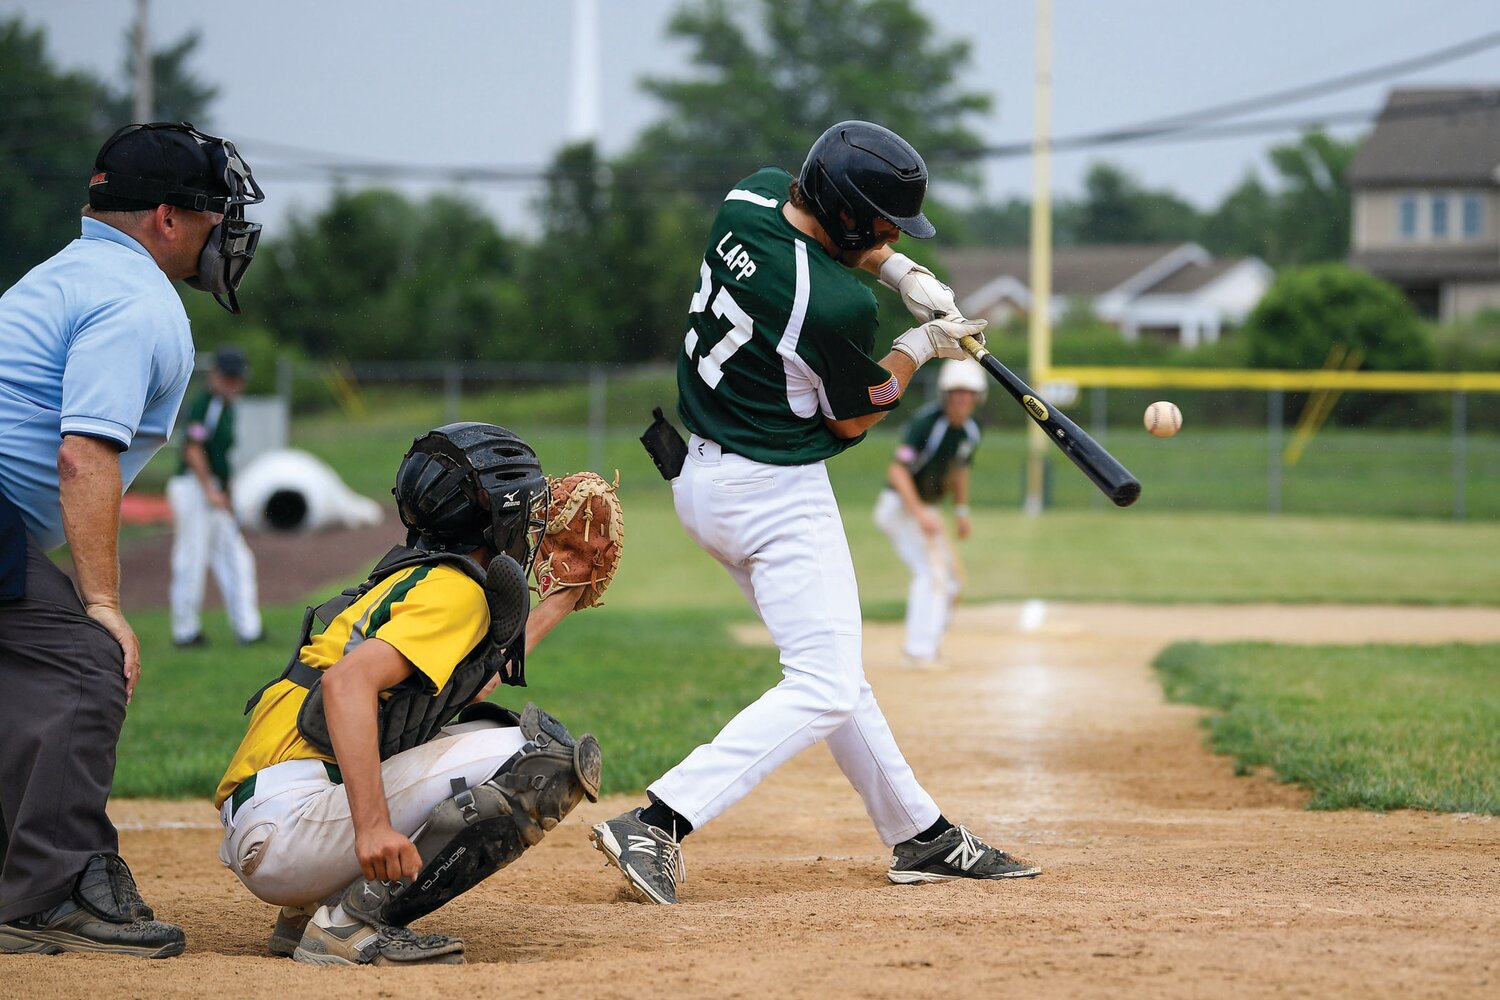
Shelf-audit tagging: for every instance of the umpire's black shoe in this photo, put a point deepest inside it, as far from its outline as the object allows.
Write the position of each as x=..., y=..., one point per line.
x=69, y=927
x=956, y=854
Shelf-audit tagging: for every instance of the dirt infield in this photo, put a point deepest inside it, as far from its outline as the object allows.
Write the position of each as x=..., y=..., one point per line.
x=1165, y=876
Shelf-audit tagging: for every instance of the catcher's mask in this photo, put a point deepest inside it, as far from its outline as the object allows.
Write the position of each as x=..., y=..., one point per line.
x=173, y=163
x=468, y=485
x=858, y=172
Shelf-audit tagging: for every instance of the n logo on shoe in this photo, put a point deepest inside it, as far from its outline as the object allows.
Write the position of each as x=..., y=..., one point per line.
x=645, y=845
x=967, y=854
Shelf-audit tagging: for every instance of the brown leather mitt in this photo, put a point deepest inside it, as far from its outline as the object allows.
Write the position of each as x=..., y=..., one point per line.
x=585, y=531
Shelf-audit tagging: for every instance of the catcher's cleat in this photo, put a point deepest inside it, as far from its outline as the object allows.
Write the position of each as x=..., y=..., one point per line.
x=69, y=927
x=650, y=858
x=354, y=942
x=291, y=921
x=954, y=855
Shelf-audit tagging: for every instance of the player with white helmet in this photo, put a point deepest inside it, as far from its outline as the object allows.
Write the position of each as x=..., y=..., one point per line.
x=776, y=375
x=932, y=463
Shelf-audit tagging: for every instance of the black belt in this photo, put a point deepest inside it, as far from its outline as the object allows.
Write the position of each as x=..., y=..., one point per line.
x=245, y=790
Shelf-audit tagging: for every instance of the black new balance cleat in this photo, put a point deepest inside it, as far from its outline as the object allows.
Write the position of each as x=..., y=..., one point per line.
x=68, y=927
x=954, y=855
x=650, y=858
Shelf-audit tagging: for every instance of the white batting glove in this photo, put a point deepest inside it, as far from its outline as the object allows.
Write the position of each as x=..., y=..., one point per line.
x=939, y=339
x=925, y=296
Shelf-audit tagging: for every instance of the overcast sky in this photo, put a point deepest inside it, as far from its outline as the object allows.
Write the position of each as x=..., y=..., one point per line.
x=487, y=82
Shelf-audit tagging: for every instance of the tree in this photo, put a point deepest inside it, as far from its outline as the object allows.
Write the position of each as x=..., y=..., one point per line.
x=1311, y=217
x=177, y=95
x=49, y=132
x=775, y=73
x=377, y=276
x=613, y=266
x=1311, y=310
x=1241, y=225
x=1117, y=209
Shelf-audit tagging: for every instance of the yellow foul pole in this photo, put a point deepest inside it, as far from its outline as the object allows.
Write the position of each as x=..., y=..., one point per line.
x=1039, y=330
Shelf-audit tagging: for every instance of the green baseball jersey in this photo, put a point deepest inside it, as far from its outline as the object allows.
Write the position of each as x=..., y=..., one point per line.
x=931, y=448
x=780, y=336
x=210, y=422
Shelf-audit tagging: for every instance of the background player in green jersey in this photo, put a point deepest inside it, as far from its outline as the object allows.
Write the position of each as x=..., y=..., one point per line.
x=932, y=462
x=207, y=534
x=777, y=374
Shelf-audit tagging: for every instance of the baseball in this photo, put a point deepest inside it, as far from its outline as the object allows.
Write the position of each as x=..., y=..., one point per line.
x=1163, y=419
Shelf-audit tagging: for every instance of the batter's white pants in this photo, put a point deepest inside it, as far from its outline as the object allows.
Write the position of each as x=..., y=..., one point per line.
x=777, y=530
x=934, y=575
x=292, y=843
x=207, y=536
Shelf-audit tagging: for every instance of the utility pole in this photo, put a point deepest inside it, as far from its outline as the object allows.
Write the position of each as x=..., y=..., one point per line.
x=583, y=112
x=145, y=88
x=1039, y=326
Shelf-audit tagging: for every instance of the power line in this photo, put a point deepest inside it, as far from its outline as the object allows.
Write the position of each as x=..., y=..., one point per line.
x=1331, y=85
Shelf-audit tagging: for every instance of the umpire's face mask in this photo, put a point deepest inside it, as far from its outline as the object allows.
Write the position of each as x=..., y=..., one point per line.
x=230, y=247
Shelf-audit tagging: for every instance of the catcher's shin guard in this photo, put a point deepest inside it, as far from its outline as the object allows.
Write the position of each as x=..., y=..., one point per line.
x=482, y=829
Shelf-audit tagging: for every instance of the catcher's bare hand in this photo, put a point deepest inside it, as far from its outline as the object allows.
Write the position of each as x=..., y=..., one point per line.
x=385, y=855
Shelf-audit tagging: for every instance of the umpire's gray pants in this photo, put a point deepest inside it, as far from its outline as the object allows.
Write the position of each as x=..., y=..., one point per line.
x=62, y=702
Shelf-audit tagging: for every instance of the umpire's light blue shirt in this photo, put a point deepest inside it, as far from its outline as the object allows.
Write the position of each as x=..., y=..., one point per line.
x=92, y=341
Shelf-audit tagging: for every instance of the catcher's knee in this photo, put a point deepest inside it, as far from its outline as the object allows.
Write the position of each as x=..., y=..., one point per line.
x=480, y=830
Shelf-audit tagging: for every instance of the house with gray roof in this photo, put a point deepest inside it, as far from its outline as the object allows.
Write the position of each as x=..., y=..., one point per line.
x=1175, y=290
x=1426, y=192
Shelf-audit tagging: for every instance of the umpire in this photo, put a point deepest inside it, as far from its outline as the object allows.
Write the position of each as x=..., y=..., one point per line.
x=95, y=354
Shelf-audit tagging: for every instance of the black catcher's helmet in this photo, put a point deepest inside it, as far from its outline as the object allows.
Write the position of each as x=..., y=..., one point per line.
x=868, y=172
x=470, y=484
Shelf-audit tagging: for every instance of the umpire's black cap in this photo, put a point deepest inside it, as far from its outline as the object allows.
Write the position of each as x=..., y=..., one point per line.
x=142, y=166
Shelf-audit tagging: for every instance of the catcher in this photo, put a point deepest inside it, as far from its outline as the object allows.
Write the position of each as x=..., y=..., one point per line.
x=374, y=784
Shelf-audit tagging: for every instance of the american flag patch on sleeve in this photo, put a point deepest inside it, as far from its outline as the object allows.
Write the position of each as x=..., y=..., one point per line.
x=887, y=392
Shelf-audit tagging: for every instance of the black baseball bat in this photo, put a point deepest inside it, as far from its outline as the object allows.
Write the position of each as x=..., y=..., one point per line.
x=1102, y=468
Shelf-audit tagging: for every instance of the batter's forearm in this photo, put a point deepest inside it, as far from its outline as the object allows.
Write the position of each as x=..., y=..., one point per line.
x=89, y=488
x=903, y=369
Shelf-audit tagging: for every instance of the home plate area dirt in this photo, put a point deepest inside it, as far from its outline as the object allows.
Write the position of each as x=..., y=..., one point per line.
x=1165, y=875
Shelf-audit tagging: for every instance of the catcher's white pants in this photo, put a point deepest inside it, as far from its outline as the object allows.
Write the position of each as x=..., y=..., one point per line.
x=934, y=575
x=207, y=536
x=292, y=843
x=777, y=530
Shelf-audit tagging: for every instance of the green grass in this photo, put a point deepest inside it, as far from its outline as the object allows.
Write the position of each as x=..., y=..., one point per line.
x=654, y=672
x=1365, y=473
x=1369, y=727
x=650, y=685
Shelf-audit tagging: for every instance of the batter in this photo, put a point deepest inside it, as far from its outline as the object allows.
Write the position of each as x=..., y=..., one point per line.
x=775, y=377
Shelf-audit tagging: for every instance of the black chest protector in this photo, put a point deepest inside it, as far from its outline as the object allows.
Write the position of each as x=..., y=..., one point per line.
x=411, y=713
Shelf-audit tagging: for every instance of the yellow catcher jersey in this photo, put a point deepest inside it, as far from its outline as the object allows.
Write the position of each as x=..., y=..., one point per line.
x=434, y=615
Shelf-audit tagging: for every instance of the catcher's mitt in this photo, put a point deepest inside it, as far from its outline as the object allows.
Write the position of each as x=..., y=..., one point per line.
x=585, y=530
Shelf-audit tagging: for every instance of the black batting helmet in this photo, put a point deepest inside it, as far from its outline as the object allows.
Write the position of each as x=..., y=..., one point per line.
x=858, y=172
x=470, y=484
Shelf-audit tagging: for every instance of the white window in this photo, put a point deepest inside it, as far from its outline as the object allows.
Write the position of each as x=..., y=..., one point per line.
x=1473, y=217
x=1439, y=216
x=1408, y=220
